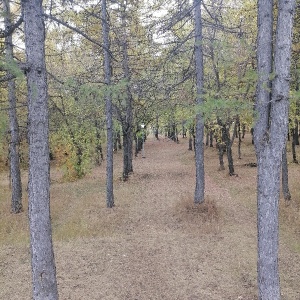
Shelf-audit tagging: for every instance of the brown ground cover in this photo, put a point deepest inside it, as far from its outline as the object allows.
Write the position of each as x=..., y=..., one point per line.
x=155, y=244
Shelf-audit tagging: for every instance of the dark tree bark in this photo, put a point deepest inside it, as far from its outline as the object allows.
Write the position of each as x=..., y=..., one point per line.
x=156, y=128
x=15, y=173
x=42, y=256
x=138, y=140
x=294, y=142
x=297, y=132
x=229, y=142
x=199, y=148
x=243, y=131
x=226, y=144
x=126, y=155
x=270, y=135
x=230, y=160
x=108, y=104
x=99, y=151
x=117, y=140
x=183, y=129
x=174, y=129
x=285, y=177
x=239, y=137
x=190, y=141
x=127, y=122
x=221, y=150
x=211, y=138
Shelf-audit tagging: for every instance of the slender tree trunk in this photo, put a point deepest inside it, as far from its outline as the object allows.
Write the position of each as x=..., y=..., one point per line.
x=156, y=128
x=294, y=142
x=221, y=148
x=297, y=132
x=190, y=142
x=270, y=135
x=15, y=173
x=211, y=137
x=128, y=124
x=108, y=103
x=42, y=256
x=285, y=177
x=229, y=142
x=126, y=146
x=99, y=151
x=243, y=130
x=239, y=137
x=119, y=140
x=183, y=129
x=199, y=148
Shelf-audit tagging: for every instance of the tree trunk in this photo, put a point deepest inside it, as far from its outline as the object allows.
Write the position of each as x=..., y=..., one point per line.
x=199, y=148
x=126, y=147
x=211, y=138
x=294, y=142
x=183, y=129
x=240, y=141
x=243, y=130
x=138, y=141
x=270, y=135
x=99, y=151
x=221, y=149
x=128, y=123
x=239, y=136
x=297, y=132
x=190, y=142
x=157, y=127
x=285, y=177
x=108, y=104
x=15, y=173
x=42, y=256
x=228, y=141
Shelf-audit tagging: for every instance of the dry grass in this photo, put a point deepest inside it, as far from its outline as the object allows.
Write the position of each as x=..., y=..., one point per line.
x=155, y=243
x=207, y=215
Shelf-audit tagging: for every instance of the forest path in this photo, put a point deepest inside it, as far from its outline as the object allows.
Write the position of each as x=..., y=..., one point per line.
x=155, y=244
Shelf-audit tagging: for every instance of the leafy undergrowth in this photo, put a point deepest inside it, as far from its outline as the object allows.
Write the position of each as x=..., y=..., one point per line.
x=155, y=243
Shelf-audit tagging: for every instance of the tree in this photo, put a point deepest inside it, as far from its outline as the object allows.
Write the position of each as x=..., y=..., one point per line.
x=199, y=149
x=285, y=176
x=109, y=121
x=15, y=173
x=42, y=256
x=270, y=133
x=127, y=122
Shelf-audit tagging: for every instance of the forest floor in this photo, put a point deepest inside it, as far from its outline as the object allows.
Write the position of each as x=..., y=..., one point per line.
x=155, y=243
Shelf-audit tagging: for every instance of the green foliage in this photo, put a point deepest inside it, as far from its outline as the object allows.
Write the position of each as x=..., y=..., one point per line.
x=74, y=151
x=78, y=111
x=223, y=109
x=12, y=67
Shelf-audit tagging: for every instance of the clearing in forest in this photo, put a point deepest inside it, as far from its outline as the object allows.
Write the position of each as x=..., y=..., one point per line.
x=154, y=244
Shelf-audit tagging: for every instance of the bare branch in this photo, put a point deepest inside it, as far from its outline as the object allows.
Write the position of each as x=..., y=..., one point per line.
x=79, y=32
x=8, y=31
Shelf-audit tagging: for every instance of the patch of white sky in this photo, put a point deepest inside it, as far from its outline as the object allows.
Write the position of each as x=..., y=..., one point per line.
x=153, y=14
